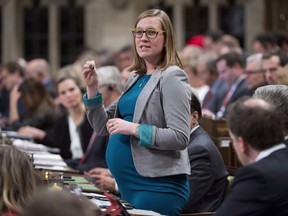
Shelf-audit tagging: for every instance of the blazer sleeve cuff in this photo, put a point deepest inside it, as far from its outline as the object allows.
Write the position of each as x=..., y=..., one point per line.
x=95, y=101
x=145, y=135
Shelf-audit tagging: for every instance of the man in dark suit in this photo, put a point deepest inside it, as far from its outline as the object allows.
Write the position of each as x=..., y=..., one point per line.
x=260, y=186
x=277, y=95
x=206, y=68
x=230, y=68
x=208, y=175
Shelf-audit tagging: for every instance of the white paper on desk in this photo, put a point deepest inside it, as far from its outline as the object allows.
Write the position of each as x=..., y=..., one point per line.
x=53, y=168
x=47, y=156
x=28, y=146
x=93, y=194
x=49, y=163
x=225, y=143
x=142, y=212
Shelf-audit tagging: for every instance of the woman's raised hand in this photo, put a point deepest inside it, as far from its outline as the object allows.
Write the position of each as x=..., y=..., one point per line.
x=90, y=78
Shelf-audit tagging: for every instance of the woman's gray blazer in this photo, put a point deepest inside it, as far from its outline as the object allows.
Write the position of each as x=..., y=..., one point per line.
x=164, y=103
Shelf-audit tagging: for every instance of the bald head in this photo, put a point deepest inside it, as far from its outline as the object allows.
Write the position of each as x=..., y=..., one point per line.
x=257, y=103
x=256, y=121
x=38, y=68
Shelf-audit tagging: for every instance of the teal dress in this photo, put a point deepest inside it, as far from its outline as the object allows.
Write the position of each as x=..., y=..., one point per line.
x=165, y=195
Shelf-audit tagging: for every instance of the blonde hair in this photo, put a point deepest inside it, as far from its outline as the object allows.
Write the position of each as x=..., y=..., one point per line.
x=169, y=53
x=190, y=55
x=17, y=179
x=74, y=71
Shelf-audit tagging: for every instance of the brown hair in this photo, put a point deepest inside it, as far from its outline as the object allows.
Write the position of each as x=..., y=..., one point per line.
x=13, y=67
x=169, y=53
x=35, y=96
x=17, y=179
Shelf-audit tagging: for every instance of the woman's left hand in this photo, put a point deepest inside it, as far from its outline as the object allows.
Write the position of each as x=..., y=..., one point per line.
x=121, y=126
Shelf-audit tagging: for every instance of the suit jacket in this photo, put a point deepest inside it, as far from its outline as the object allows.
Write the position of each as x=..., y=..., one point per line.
x=164, y=103
x=218, y=92
x=49, y=85
x=260, y=188
x=96, y=156
x=240, y=91
x=208, y=175
x=59, y=137
x=4, y=102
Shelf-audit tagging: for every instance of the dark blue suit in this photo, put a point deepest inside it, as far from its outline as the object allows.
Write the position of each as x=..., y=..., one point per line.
x=260, y=188
x=208, y=175
x=240, y=90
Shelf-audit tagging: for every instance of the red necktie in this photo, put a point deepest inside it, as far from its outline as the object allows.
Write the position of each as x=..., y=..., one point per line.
x=207, y=99
x=227, y=97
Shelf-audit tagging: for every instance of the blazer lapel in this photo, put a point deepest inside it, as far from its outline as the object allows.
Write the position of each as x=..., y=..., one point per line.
x=131, y=81
x=145, y=94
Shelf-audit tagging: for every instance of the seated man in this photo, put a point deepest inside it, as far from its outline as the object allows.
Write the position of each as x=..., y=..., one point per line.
x=273, y=62
x=208, y=175
x=260, y=186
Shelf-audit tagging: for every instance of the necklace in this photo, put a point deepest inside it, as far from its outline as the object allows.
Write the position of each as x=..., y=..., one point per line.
x=143, y=80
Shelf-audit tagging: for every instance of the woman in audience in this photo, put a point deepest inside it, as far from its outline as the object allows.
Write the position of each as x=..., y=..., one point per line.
x=40, y=109
x=17, y=180
x=71, y=131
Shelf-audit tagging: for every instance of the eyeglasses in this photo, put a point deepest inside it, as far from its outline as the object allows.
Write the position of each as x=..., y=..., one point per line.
x=254, y=71
x=150, y=33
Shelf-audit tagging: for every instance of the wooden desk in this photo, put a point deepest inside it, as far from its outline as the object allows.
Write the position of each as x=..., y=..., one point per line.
x=232, y=170
x=215, y=127
x=218, y=131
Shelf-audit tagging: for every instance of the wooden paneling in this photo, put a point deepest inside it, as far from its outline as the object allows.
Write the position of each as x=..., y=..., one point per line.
x=218, y=131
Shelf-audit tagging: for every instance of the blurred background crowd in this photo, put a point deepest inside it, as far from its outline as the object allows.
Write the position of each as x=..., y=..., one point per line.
x=224, y=58
x=228, y=49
